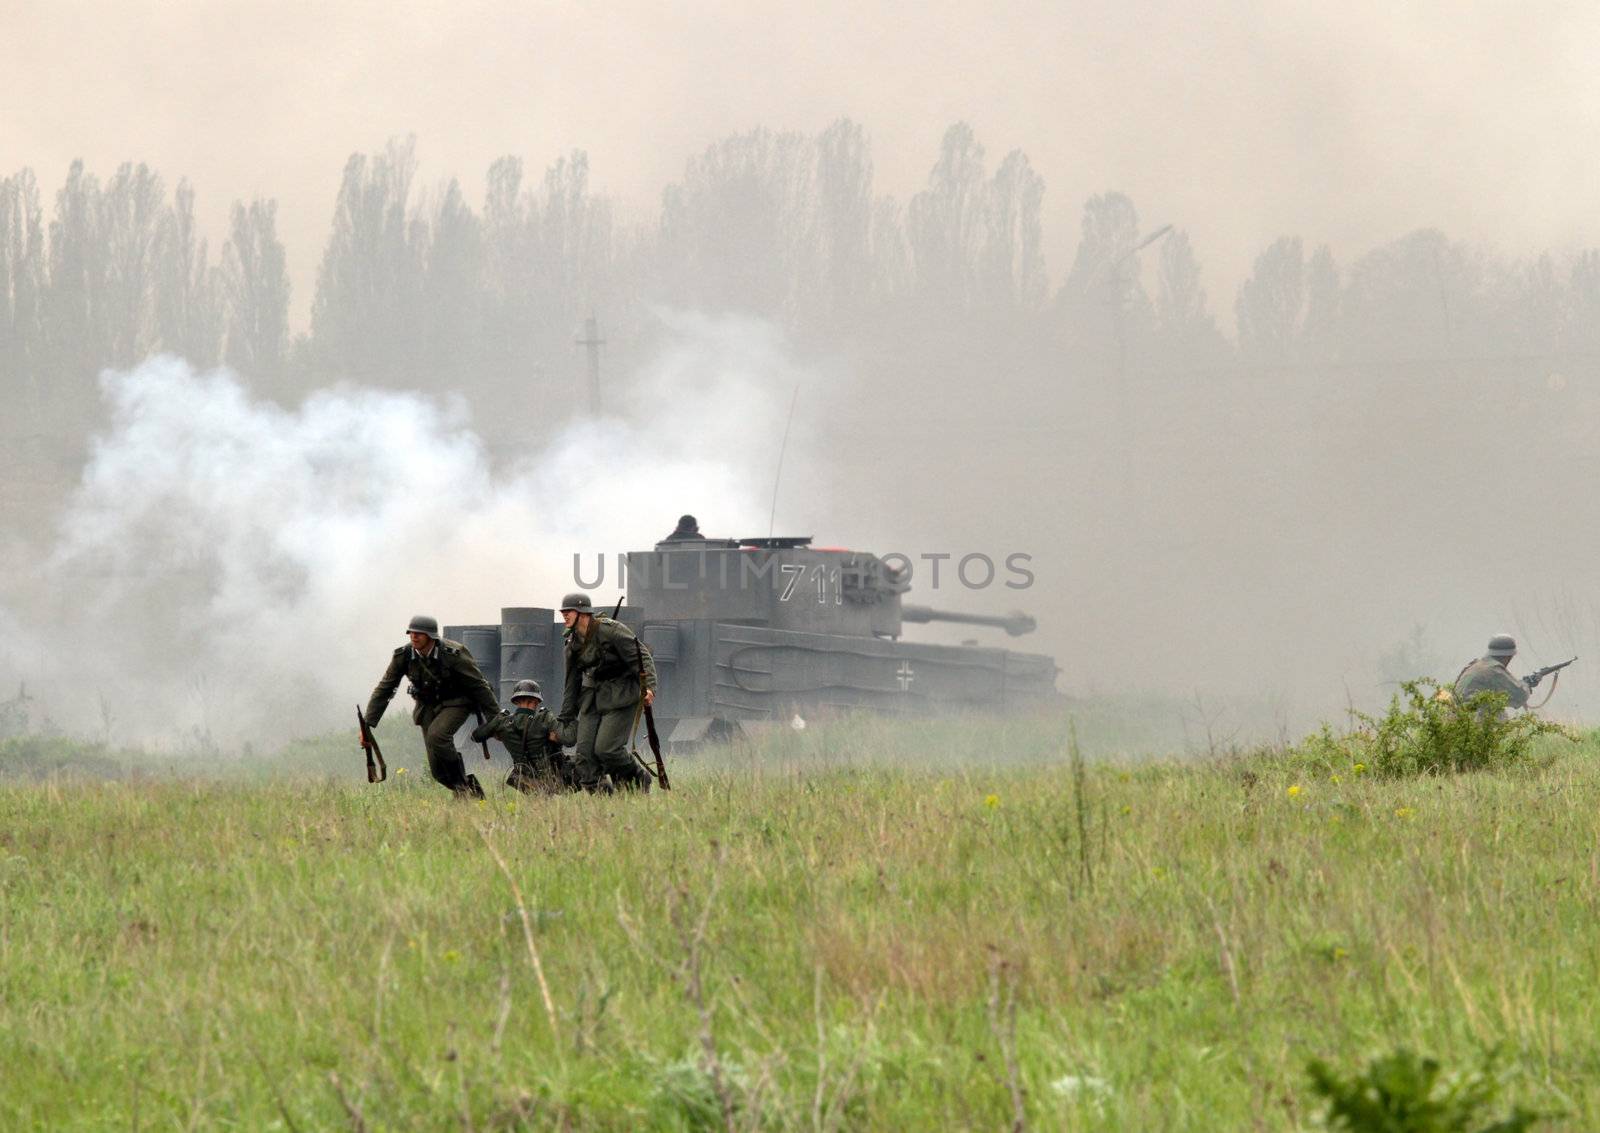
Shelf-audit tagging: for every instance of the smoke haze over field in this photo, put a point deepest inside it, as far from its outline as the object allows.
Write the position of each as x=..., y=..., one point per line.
x=227, y=564
x=1270, y=332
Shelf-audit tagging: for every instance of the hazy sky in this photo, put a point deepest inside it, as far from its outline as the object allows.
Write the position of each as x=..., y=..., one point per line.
x=1350, y=122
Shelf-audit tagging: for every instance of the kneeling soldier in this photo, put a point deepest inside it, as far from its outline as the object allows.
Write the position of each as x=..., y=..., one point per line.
x=534, y=738
x=447, y=686
x=609, y=674
x=1492, y=673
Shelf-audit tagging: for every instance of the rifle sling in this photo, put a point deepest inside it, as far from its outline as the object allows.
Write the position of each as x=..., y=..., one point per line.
x=1555, y=679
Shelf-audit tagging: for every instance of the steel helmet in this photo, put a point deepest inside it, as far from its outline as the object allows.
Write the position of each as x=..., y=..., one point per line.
x=526, y=688
x=1502, y=645
x=578, y=601
x=422, y=623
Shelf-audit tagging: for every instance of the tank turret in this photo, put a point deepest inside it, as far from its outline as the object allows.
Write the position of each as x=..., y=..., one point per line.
x=746, y=631
x=783, y=582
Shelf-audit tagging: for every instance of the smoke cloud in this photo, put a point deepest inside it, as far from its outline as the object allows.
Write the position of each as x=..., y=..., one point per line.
x=235, y=568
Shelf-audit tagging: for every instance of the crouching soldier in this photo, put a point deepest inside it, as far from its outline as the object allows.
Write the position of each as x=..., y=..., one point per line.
x=533, y=736
x=447, y=686
x=609, y=675
x=1492, y=673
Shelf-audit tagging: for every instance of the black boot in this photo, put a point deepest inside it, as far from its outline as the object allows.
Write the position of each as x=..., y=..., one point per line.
x=635, y=779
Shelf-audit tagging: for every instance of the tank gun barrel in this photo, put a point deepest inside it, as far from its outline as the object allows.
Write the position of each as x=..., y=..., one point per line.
x=1015, y=623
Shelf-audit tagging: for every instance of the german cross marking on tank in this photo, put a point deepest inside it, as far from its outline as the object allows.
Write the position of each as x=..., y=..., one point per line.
x=905, y=674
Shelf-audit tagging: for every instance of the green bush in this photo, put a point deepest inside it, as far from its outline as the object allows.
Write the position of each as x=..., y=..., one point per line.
x=38, y=757
x=1404, y=1093
x=1429, y=733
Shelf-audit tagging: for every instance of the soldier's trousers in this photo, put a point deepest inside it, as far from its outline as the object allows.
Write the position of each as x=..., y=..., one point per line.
x=602, y=747
x=439, y=724
x=541, y=779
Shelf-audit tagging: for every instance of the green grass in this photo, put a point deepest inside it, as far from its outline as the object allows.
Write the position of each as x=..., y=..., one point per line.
x=855, y=927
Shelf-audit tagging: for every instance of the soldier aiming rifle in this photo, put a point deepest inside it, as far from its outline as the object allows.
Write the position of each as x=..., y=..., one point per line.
x=1491, y=673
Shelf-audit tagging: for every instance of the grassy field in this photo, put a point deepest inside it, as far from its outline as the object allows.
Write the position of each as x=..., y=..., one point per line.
x=856, y=927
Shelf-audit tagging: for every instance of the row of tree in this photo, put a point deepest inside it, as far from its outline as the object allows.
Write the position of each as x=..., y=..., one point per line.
x=122, y=271
x=421, y=288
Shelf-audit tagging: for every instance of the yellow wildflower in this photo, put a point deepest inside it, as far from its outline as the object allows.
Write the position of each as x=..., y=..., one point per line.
x=1294, y=791
x=1127, y=810
x=1361, y=769
x=451, y=956
x=1404, y=812
x=1335, y=779
x=991, y=801
x=401, y=771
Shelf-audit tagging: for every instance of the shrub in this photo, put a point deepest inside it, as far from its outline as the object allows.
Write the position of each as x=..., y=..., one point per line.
x=1430, y=734
x=1404, y=1093
x=38, y=757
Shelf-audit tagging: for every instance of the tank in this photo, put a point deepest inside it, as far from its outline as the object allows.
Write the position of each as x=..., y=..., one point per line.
x=746, y=633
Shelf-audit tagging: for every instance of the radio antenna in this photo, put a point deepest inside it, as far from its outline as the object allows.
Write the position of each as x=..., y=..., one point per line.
x=777, y=477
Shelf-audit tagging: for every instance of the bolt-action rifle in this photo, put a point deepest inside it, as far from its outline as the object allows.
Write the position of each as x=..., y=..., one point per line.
x=478, y=712
x=1532, y=679
x=660, y=769
x=379, y=771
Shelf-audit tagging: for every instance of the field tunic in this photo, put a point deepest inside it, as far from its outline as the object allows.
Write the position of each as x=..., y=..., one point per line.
x=608, y=663
x=526, y=734
x=447, y=677
x=1488, y=675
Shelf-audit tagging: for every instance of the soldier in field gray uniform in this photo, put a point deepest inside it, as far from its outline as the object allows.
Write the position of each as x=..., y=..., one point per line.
x=1489, y=674
x=448, y=687
x=610, y=677
x=534, y=738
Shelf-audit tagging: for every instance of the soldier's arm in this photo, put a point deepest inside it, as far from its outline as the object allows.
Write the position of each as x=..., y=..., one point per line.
x=570, y=689
x=384, y=691
x=648, y=666
x=1516, y=692
x=491, y=727
x=564, y=734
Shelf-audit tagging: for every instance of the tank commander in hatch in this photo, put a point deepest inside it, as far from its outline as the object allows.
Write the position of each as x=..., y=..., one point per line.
x=687, y=531
x=447, y=686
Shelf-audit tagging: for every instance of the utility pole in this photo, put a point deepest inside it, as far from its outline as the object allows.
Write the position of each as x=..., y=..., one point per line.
x=593, y=342
x=1118, y=299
